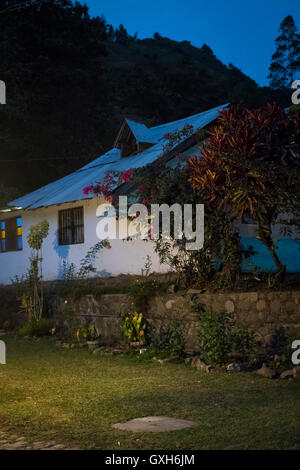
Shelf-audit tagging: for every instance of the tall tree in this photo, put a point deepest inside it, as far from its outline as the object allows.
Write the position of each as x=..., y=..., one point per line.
x=285, y=62
x=71, y=79
x=121, y=35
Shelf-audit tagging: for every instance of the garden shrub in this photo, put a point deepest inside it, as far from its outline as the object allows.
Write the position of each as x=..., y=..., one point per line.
x=243, y=343
x=88, y=333
x=219, y=336
x=40, y=327
x=281, y=345
x=167, y=341
x=132, y=327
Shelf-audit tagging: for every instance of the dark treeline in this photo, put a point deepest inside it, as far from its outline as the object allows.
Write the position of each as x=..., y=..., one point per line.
x=71, y=79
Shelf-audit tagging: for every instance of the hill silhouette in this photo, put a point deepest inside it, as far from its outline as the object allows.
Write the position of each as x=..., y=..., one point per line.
x=71, y=79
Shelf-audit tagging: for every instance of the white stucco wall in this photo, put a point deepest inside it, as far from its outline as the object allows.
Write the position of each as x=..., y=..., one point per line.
x=124, y=257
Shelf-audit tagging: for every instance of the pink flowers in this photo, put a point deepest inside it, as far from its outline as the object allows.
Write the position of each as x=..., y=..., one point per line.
x=166, y=136
x=189, y=126
x=104, y=187
x=87, y=190
x=126, y=176
x=146, y=201
x=96, y=188
x=110, y=181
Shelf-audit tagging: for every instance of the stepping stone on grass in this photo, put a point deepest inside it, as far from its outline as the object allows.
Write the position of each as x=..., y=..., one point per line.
x=154, y=424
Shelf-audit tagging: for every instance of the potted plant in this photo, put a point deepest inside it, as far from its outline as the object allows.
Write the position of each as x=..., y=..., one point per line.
x=90, y=335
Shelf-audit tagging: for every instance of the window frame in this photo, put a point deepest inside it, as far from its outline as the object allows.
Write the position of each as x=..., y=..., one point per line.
x=14, y=241
x=61, y=240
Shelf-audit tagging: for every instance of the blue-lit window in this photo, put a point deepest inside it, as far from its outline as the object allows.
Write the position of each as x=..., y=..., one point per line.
x=3, y=235
x=19, y=233
x=11, y=234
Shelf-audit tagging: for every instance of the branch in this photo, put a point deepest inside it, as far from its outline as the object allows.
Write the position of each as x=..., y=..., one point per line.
x=18, y=6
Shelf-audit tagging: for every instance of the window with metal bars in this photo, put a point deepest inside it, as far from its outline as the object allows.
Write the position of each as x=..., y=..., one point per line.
x=70, y=226
x=11, y=234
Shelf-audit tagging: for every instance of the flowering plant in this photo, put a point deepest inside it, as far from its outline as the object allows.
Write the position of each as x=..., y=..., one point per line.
x=127, y=175
x=111, y=180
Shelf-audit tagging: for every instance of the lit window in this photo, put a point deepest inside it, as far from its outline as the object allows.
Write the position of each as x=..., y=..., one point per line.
x=19, y=233
x=11, y=234
x=3, y=235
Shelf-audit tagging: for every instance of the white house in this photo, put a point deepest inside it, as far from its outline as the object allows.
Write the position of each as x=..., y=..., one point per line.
x=72, y=214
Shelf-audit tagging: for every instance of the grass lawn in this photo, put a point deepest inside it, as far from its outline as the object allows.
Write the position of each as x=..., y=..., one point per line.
x=74, y=397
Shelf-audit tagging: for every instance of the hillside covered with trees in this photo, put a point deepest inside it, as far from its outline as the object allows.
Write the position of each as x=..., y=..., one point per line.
x=71, y=79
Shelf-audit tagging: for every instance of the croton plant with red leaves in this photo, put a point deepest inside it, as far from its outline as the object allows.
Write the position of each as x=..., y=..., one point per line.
x=250, y=164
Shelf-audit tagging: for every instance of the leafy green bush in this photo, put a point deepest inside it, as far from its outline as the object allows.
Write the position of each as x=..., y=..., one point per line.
x=219, y=336
x=40, y=327
x=88, y=333
x=169, y=341
x=243, y=342
x=133, y=327
x=214, y=336
x=281, y=345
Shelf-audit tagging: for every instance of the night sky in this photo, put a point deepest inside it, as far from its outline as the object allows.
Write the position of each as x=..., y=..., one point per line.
x=237, y=31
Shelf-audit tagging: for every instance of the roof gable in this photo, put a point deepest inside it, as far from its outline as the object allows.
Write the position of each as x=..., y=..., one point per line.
x=69, y=188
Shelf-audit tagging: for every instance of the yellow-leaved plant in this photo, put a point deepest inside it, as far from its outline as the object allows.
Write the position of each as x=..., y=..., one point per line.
x=133, y=327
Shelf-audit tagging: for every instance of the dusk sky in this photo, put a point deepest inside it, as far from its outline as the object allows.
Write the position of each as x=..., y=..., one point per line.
x=237, y=31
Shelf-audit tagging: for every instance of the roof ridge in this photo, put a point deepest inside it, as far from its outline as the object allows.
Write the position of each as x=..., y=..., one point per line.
x=69, y=187
x=137, y=122
x=189, y=117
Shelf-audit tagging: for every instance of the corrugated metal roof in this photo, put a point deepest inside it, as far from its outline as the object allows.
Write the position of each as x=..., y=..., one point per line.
x=140, y=131
x=70, y=187
x=143, y=133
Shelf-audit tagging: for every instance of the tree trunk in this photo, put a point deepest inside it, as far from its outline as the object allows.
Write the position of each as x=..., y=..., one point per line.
x=265, y=235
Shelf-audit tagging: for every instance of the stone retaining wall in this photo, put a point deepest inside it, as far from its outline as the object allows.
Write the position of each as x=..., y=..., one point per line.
x=105, y=312
x=263, y=312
